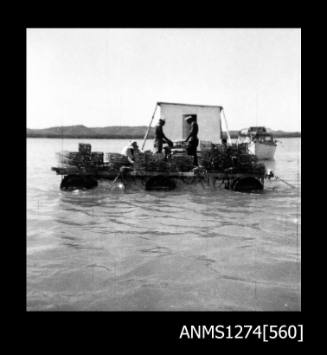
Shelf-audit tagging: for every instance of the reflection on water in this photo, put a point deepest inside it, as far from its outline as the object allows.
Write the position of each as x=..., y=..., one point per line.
x=190, y=249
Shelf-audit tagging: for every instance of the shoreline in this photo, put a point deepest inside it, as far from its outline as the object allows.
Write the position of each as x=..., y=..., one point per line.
x=132, y=137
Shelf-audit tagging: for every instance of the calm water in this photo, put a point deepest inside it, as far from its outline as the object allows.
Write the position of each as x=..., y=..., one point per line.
x=182, y=250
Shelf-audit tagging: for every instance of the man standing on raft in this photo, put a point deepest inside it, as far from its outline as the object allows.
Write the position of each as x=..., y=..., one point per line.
x=160, y=137
x=192, y=138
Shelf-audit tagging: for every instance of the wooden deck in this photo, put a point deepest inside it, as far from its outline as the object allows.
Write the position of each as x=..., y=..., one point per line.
x=105, y=173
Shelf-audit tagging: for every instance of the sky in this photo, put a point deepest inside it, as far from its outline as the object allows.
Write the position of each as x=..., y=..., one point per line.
x=109, y=77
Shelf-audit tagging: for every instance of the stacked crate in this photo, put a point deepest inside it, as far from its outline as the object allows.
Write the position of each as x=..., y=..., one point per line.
x=246, y=162
x=205, y=159
x=69, y=159
x=214, y=159
x=206, y=145
x=66, y=158
x=246, y=159
x=140, y=161
x=232, y=150
x=172, y=166
x=242, y=148
x=83, y=158
x=221, y=157
x=156, y=162
x=117, y=160
x=178, y=151
x=180, y=145
x=258, y=168
x=84, y=149
x=97, y=157
x=181, y=162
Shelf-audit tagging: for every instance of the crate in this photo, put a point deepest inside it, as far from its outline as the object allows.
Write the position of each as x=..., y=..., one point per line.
x=242, y=148
x=140, y=161
x=179, y=145
x=97, y=157
x=140, y=156
x=158, y=156
x=117, y=158
x=182, y=162
x=258, y=168
x=178, y=151
x=158, y=166
x=155, y=162
x=70, y=158
x=66, y=157
x=149, y=161
x=84, y=148
x=206, y=145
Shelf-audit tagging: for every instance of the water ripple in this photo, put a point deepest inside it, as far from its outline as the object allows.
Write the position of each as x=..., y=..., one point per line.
x=188, y=249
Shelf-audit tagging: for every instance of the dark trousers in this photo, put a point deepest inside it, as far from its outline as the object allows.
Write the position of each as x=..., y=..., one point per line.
x=192, y=150
x=158, y=146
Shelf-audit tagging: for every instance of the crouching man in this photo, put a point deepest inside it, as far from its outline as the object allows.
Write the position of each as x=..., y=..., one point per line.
x=130, y=150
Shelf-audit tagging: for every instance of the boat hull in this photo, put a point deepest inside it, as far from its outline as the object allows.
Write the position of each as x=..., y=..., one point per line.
x=262, y=151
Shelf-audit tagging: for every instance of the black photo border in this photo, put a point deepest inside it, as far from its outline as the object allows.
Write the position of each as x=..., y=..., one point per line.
x=127, y=328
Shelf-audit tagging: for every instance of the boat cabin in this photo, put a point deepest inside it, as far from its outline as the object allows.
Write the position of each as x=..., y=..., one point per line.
x=253, y=131
x=257, y=130
x=255, y=134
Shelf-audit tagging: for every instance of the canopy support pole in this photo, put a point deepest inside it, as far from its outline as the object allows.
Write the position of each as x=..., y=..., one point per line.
x=147, y=132
x=229, y=141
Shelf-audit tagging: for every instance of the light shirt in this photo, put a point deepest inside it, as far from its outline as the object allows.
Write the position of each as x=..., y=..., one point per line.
x=128, y=152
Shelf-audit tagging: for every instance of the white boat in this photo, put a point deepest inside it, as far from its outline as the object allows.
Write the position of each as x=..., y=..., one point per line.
x=259, y=142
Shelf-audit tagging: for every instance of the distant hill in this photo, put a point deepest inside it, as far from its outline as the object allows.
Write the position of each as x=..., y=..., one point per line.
x=123, y=131
x=80, y=131
x=66, y=131
x=116, y=132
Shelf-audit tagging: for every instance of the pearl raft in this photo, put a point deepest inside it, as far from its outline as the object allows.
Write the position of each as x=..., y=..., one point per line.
x=221, y=163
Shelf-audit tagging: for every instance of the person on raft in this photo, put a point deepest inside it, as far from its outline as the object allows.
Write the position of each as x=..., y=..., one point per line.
x=160, y=137
x=130, y=150
x=192, y=139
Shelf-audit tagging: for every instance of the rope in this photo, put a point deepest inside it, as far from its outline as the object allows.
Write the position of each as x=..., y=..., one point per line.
x=285, y=182
x=271, y=175
x=116, y=178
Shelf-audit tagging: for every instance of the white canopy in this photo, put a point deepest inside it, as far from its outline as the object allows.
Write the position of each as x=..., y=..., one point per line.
x=208, y=118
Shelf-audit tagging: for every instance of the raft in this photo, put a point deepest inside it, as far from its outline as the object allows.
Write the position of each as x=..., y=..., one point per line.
x=83, y=169
x=79, y=178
